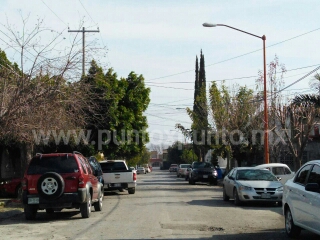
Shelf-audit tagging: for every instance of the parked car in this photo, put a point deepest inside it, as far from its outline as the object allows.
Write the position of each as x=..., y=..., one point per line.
x=97, y=168
x=11, y=187
x=182, y=169
x=173, y=168
x=60, y=180
x=280, y=170
x=245, y=184
x=203, y=172
x=117, y=176
x=301, y=200
x=141, y=170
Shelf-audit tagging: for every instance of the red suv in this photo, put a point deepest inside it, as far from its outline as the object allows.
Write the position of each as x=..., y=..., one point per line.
x=60, y=180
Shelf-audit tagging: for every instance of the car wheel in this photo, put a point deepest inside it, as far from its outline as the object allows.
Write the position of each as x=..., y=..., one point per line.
x=18, y=192
x=50, y=210
x=50, y=185
x=30, y=212
x=85, y=208
x=291, y=229
x=98, y=205
x=191, y=181
x=131, y=190
x=225, y=196
x=236, y=199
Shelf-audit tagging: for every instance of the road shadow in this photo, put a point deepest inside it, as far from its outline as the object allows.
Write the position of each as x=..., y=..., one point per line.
x=268, y=234
x=218, y=202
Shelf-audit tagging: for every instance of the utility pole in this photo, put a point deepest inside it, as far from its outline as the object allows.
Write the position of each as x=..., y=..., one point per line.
x=83, y=45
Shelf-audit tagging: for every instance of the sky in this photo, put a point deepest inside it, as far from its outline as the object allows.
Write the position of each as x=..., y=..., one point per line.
x=161, y=39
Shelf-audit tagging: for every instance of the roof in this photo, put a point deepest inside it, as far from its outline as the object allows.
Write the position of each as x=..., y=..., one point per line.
x=272, y=165
x=104, y=161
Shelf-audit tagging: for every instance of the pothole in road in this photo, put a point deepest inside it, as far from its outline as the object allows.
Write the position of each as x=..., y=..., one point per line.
x=199, y=227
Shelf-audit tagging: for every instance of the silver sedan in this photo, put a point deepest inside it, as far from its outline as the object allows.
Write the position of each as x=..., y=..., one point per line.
x=244, y=184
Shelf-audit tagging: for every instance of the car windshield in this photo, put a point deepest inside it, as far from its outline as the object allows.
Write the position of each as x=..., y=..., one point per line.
x=184, y=165
x=255, y=175
x=59, y=164
x=201, y=165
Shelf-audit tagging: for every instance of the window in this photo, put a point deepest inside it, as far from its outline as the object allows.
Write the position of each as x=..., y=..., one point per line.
x=287, y=171
x=113, y=166
x=302, y=175
x=314, y=176
x=83, y=165
x=59, y=164
x=278, y=170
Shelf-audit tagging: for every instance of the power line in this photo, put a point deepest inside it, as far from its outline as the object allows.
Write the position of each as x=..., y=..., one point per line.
x=242, y=55
x=54, y=13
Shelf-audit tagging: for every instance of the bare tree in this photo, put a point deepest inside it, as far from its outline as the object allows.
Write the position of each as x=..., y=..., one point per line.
x=297, y=120
x=44, y=91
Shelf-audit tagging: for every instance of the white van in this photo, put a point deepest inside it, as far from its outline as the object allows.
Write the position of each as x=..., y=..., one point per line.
x=279, y=170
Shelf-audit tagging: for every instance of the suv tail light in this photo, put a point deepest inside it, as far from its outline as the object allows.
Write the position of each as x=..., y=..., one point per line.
x=134, y=176
x=81, y=182
x=215, y=173
x=24, y=183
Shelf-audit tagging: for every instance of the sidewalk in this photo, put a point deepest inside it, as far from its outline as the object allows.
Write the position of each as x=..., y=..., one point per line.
x=10, y=207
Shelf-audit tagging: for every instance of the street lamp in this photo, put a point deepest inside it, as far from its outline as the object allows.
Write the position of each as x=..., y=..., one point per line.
x=266, y=137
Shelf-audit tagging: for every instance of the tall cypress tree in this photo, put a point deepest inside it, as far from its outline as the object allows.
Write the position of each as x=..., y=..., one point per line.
x=200, y=112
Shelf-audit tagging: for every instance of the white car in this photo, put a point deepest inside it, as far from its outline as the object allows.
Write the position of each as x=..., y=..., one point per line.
x=280, y=170
x=301, y=200
x=141, y=170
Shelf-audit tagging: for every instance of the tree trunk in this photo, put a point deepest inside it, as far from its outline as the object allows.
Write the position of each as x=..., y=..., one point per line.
x=26, y=152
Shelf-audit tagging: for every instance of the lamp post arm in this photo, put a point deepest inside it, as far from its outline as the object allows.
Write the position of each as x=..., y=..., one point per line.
x=223, y=25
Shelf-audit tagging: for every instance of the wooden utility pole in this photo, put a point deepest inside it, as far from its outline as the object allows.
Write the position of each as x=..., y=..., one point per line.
x=83, y=45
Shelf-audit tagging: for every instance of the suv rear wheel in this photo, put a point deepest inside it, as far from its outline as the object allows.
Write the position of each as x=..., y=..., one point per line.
x=30, y=211
x=50, y=185
x=85, y=208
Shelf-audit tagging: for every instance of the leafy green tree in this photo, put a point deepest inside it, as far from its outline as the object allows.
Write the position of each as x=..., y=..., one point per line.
x=234, y=115
x=121, y=104
x=175, y=153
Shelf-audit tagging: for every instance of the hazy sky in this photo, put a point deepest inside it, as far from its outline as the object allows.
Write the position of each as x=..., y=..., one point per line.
x=160, y=40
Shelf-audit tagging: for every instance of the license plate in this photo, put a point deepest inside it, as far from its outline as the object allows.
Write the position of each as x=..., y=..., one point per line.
x=205, y=176
x=33, y=200
x=265, y=195
x=117, y=184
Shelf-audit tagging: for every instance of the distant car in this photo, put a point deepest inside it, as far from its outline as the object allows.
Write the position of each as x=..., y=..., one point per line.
x=245, y=184
x=280, y=170
x=203, y=172
x=173, y=168
x=182, y=170
x=11, y=187
x=301, y=200
x=133, y=169
x=141, y=170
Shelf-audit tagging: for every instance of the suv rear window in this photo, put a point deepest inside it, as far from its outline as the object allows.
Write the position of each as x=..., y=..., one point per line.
x=113, y=166
x=58, y=164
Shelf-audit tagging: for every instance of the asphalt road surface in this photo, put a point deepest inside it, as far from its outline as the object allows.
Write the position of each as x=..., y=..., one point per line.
x=163, y=207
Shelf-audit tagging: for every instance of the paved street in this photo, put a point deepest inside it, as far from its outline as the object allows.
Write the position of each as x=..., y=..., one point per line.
x=163, y=207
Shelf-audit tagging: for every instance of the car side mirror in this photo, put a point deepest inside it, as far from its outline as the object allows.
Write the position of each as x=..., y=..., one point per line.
x=232, y=178
x=312, y=187
x=279, y=178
